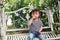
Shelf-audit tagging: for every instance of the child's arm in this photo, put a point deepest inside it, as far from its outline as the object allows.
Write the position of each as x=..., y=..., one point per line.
x=41, y=28
x=30, y=21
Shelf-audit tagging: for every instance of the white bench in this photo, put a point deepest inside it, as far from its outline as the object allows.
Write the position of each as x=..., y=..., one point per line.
x=24, y=36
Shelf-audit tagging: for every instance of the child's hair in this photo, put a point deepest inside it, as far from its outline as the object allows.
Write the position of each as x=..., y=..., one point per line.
x=34, y=11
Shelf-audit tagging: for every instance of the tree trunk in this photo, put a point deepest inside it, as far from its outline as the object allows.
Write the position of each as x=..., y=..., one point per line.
x=0, y=22
x=3, y=24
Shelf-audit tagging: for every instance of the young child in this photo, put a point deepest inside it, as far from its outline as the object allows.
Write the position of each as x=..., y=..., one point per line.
x=35, y=25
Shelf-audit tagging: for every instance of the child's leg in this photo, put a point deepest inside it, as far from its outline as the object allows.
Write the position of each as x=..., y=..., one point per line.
x=40, y=37
x=31, y=36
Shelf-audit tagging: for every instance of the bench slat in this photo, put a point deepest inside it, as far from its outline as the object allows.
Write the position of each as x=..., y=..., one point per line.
x=24, y=36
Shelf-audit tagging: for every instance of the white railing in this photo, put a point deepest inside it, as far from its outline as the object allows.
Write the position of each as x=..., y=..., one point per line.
x=23, y=29
x=46, y=35
x=18, y=37
x=17, y=10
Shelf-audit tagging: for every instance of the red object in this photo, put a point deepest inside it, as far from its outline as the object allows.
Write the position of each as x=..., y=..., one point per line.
x=39, y=33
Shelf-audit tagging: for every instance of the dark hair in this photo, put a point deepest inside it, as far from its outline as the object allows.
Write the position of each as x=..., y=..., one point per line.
x=34, y=11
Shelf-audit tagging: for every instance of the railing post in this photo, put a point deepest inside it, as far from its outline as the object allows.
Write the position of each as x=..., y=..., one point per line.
x=59, y=9
x=50, y=18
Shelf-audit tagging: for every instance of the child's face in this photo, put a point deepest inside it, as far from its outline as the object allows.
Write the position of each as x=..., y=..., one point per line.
x=35, y=14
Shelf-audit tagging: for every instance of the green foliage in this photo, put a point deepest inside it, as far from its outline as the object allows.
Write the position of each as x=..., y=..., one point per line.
x=11, y=5
x=44, y=18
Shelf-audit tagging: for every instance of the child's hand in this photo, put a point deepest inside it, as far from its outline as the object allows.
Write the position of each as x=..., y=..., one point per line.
x=33, y=17
x=30, y=21
x=39, y=33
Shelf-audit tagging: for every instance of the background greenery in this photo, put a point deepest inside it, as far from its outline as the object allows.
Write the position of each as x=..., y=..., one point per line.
x=12, y=5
